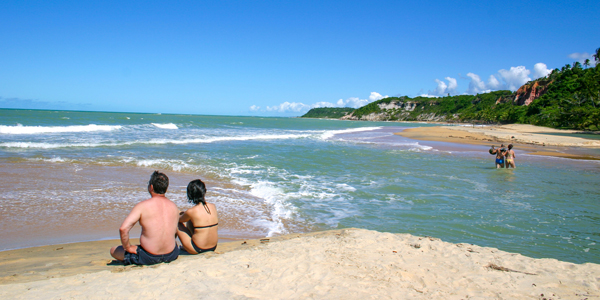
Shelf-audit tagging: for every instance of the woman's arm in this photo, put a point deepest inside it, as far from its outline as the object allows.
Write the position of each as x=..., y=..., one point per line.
x=184, y=217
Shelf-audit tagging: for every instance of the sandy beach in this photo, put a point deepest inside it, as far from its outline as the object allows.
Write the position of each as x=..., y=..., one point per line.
x=349, y=263
x=534, y=139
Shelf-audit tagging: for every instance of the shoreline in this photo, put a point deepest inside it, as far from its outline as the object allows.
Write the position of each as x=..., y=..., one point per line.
x=534, y=140
x=336, y=263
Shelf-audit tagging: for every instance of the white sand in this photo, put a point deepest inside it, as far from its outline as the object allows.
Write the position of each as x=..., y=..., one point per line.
x=351, y=264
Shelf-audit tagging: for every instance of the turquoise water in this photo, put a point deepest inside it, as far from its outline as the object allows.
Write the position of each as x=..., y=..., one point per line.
x=272, y=176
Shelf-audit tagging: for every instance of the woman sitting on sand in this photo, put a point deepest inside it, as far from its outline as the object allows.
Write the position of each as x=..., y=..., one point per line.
x=197, y=229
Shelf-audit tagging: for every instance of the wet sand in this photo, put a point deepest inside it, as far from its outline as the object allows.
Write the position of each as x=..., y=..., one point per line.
x=349, y=263
x=532, y=139
x=65, y=202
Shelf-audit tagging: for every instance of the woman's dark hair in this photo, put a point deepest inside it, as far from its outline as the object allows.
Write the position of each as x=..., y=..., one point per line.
x=510, y=146
x=160, y=182
x=196, y=191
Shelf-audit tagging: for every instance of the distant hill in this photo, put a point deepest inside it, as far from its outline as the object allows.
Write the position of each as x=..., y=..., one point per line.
x=328, y=112
x=566, y=98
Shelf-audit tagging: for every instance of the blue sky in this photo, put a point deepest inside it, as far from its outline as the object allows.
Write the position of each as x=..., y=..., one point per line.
x=277, y=58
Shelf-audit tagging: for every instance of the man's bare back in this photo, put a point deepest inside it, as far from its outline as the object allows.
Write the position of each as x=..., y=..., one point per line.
x=159, y=218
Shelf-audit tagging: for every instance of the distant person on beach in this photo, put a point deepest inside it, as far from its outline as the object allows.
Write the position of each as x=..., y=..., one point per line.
x=500, y=152
x=510, y=157
x=158, y=217
x=198, y=226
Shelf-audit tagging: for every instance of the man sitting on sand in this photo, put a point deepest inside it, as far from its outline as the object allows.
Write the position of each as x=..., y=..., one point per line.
x=158, y=217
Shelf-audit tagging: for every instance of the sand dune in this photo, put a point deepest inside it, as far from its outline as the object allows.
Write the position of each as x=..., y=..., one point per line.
x=351, y=264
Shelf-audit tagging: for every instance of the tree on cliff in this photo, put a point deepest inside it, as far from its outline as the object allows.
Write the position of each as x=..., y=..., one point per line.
x=597, y=56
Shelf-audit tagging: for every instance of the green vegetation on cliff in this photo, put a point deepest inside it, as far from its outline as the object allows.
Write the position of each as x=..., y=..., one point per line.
x=423, y=108
x=566, y=98
x=328, y=112
x=572, y=100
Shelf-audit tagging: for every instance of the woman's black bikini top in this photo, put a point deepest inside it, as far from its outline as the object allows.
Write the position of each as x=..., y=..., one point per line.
x=208, y=211
x=213, y=225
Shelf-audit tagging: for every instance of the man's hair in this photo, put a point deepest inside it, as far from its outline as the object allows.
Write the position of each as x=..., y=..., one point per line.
x=196, y=191
x=160, y=182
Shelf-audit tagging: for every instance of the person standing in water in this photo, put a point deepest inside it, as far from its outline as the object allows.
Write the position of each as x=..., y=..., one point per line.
x=198, y=225
x=510, y=157
x=500, y=152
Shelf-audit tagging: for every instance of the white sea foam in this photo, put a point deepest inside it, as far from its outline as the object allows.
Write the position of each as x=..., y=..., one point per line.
x=53, y=159
x=277, y=200
x=330, y=133
x=206, y=140
x=36, y=145
x=56, y=159
x=165, y=126
x=345, y=187
x=417, y=147
x=173, y=164
x=20, y=129
x=280, y=209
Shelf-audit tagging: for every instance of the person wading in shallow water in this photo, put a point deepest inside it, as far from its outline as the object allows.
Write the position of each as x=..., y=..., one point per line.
x=158, y=217
x=510, y=157
x=500, y=152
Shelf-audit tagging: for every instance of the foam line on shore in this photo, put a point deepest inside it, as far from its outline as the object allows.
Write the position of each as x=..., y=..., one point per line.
x=20, y=129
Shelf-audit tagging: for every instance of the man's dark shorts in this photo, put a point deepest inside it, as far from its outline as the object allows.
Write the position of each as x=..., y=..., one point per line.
x=142, y=257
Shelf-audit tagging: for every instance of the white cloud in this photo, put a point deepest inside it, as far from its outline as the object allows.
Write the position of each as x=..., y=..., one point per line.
x=476, y=85
x=322, y=104
x=540, y=70
x=511, y=79
x=356, y=102
x=288, y=106
x=515, y=77
x=353, y=102
x=442, y=88
x=452, y=85
x=581, y=57
x=493, y=83
x=376, y=96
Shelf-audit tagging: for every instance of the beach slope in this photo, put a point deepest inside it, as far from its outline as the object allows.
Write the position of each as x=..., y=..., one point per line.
x=349, y=263
x=534, y=139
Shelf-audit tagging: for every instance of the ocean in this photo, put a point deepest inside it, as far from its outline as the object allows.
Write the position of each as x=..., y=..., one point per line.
x=71, y=176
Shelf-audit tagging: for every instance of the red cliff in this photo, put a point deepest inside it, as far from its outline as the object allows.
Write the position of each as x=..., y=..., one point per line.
x=531, y=91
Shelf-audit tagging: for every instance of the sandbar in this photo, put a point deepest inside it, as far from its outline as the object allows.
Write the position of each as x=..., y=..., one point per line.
x=533, y=139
